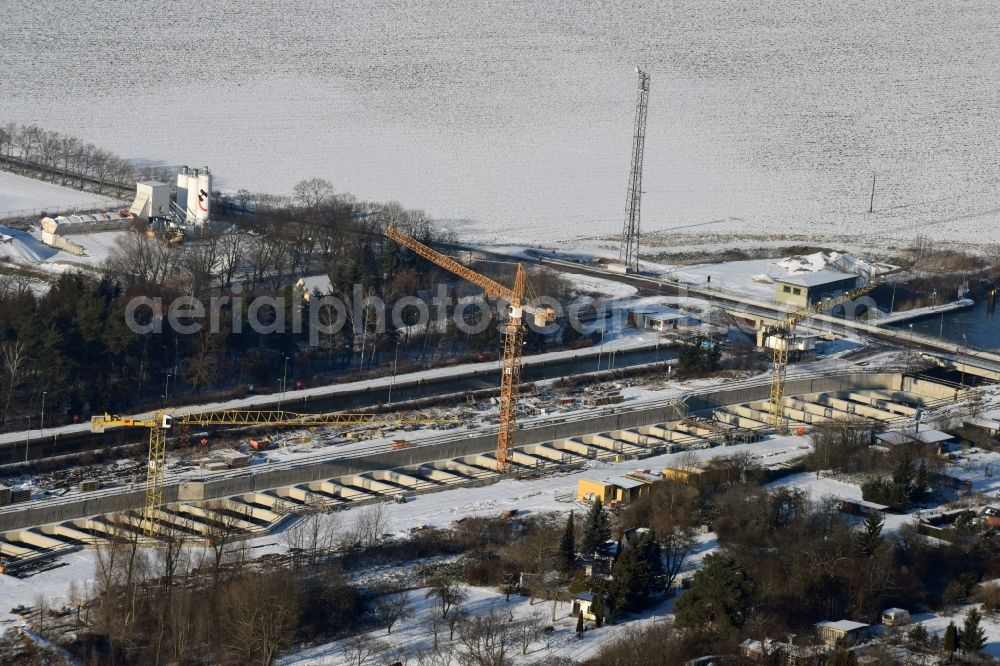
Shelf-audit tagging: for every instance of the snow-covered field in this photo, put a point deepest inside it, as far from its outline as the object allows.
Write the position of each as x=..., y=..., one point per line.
x=29, y=196
x=514, y=121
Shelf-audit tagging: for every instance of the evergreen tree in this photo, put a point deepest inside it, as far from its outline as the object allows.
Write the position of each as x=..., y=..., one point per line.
x=637, y=574
x=951, y=638
x=842, y=657
x=596, y=529
x=597, y=608
x=869, y=537
x=918, y=636
x=717, y=599
x=973, y=637
x=567, y=546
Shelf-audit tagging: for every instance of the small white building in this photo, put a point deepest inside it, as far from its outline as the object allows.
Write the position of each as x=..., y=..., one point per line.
x=152, y=199
x=927, y=436
x=841, y=631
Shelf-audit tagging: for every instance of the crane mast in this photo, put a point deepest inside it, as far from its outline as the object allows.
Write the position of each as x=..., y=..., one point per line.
x=629, y=253
x=510, y=372
x=782, y=335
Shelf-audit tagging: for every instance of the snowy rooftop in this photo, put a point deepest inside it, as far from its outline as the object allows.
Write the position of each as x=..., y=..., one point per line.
x=815, y=279
x=625, y=482
x=928, y=436
x=841, y=625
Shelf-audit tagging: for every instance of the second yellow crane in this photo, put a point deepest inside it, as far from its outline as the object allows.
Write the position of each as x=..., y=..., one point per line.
x=781, y=337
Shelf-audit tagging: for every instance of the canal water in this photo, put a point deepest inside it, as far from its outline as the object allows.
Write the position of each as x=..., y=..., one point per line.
x=977, y=326
x=491, y=379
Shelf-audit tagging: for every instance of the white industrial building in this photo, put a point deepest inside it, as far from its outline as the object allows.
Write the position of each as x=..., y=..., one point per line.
x=152, y=199
x=56, y=229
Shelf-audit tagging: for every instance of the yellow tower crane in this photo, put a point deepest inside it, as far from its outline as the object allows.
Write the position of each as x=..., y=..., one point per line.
x=160, y=422
x=510, y=374
x=781, y=337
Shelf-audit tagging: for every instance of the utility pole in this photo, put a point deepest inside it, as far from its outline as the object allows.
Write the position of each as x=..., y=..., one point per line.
x=629, y=254
x=871, y=203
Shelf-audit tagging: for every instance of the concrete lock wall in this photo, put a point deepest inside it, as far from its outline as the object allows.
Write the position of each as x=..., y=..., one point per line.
x=389, y=459
x=747, y=394
x=265, y=480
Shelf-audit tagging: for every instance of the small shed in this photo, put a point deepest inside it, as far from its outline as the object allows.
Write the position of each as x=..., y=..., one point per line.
x=808, y=288
x=698, y=475
x=858, y=507
x=927, y=436
x=895, y=617
x=583, y=604
x=841, y=631
x=621, y=489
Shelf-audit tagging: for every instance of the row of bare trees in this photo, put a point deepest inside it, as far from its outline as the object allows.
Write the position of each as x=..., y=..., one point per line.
x=66, y=160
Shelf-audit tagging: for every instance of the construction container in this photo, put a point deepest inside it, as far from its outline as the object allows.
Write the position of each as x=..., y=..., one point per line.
x=18, y=495
x=89, y=485
x=4, y=495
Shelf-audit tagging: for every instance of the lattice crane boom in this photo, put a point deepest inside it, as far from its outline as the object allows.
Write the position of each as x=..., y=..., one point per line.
x=160, y=422
x=510, y=373
x=783, y=334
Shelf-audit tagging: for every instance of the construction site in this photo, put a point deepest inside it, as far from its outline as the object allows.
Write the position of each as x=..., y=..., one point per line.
x=191, y=372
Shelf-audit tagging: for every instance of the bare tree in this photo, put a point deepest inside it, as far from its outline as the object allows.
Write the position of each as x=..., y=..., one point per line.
x=313, y=534
x=391, y=607
x=361, y=650
x=313, y=192
x=447, y=590
x=137, y=258
x=13, y=364
x=68, y=148
x=435, y=657
x=529, y=630
x=676, y=541
x=223, y=531
x=486, y=640
x=260, y=614
x=370, y=524
x=230, y=255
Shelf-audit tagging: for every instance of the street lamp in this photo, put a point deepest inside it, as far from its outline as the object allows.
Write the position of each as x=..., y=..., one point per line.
x=166, y=391
x=284, y=380
x=27, y=437
x=41, y=421
x=395, y=364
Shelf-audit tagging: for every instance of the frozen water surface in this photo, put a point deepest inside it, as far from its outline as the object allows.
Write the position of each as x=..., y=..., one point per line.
x=512, y=121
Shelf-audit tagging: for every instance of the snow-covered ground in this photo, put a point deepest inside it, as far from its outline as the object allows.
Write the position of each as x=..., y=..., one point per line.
x=21, y=247
x=549, y=494
x=27, y=196
x=516, y=123
x=936, y=624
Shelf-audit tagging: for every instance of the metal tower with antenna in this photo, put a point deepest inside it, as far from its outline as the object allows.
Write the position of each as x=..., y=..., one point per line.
x=630, y=233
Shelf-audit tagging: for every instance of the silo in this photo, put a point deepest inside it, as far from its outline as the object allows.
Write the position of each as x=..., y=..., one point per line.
x=182, y=188
x=204, y=196
x=192, y=198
